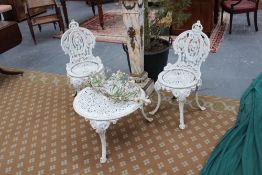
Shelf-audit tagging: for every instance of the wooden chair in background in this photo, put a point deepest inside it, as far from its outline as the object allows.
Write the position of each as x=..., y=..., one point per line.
x=92, y=4
x=99, y=4
x=39, y=20
x=240, y=6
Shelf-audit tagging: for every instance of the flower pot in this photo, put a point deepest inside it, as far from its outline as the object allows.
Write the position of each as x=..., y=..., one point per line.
x=154, y=62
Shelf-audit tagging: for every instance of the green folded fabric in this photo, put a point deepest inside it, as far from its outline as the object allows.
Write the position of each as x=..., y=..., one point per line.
x=240, y=150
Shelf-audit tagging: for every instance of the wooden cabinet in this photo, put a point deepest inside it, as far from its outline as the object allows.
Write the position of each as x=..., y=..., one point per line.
x=10, y=34
x=18, y=11
x=204, y=10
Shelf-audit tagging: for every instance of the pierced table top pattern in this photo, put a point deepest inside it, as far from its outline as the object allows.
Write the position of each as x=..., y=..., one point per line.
x=95, y=106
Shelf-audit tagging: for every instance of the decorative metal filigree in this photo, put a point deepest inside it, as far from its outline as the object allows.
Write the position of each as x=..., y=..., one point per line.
x=102, y=111
x=192, y=48
x=78, y=43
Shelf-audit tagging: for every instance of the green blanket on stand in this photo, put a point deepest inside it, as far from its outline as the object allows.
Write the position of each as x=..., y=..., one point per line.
x=240, y=150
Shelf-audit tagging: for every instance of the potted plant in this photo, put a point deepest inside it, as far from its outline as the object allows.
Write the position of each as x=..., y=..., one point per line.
x=158, y=19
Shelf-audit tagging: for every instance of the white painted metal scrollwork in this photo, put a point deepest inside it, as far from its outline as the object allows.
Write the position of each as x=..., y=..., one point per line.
x=78, y=43
x=192, y=48
x=102, y=111
x=99, y=107
x=101, y=127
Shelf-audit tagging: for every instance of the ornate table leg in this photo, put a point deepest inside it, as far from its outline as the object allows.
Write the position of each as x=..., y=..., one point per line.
x=100, y=13
x=92, y=3
x=101, y=127
x=102, y=136
x=158, y=103
x=197, y=102
x=144, y=114
x=216, y=10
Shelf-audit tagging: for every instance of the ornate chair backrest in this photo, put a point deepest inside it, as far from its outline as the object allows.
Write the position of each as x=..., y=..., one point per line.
x=78, y=43
x=192, y=48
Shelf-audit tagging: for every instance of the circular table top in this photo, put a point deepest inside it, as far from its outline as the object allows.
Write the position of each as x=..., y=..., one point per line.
x=95, y=106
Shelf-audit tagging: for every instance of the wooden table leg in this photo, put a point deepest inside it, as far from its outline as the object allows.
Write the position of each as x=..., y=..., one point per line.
x=216, y=10
x=92, y=3
x=8, y=72
x=63, y=3
x=100, y=13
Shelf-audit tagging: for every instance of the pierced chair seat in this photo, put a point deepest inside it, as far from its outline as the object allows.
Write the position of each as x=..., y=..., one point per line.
x=178, y=78
x=78, y=43
x=192, y=48
x=84, y=68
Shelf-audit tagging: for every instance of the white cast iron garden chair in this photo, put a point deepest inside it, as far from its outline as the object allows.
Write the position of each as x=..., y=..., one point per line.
x=192, y=48
x=78, y=43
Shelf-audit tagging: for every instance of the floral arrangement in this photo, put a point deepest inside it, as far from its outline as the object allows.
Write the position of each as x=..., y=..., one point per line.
x=117, y=86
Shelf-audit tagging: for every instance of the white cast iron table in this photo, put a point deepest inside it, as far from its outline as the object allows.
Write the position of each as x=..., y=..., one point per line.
x=101, y=111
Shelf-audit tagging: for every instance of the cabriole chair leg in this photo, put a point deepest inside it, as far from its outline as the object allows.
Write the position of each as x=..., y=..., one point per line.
x=248, y=19
x=231, y=20
x=255, y=20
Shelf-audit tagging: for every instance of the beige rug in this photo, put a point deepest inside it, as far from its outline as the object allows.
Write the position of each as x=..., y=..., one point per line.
x=41, y=134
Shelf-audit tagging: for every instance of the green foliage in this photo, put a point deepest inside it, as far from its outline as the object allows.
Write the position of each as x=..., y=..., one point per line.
x=159, y=18
x=116, y=86
x=178, y=9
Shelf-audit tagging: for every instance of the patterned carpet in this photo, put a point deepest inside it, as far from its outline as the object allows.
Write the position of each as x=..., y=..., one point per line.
x=41, y=134
x=114, y=29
